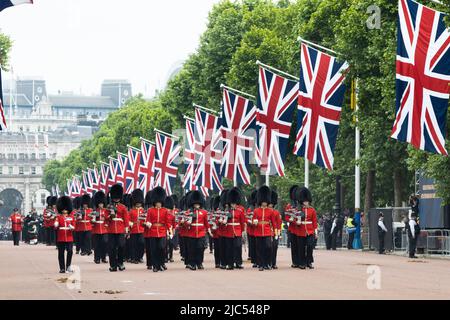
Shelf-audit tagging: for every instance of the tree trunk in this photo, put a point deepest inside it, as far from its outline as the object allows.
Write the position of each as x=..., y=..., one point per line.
x=398, y=188
x=370, y=186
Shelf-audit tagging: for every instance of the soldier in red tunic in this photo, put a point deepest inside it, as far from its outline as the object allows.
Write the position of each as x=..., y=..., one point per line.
x=157, y=226
x=118, y=223
x=214, y=225
x=307, y=233
x=49, y=220
x=16, y=226
x=276, y=231
x=64, y=225
x=222, y=228
x=292, y=226
x=83, y=226
x=234, y=225
x=169, y=204
x=137, y=218
x=100, y=227
x=251, y=228
x=196, y=232
x=264, y=221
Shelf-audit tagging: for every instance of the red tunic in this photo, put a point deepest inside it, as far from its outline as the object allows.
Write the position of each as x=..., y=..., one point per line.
x=235, y=225
x=117, y=224
x=265, y=219
x=293, y=227
x=309, y=225
x=64, y=226
x=278, y=221
x=160, y=220
x=199, y=225
x=49, y=222
x=137, y=226
x=83, y=221
x=16, y=220
x=99, y=223
x=250, y=226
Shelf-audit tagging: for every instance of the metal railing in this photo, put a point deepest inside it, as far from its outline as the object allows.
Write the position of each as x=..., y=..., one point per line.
x=430, y=242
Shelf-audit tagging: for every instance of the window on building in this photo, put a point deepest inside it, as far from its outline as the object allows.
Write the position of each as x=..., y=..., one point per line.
x=33, y=156
x=43, y=156
x=43, y=199
x=10, y=170
x=10, y=156
x=21, y=156
x=33, y=170
x=21, y=170
x=1, y=170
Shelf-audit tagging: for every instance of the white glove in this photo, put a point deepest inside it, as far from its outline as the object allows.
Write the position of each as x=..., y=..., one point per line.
x=71, y=227
x=299, y=222
x=276, y=238
x=249, y=221
x=255, y=222
x=56, y=224
x=148, y=224
x=126, y=230
x=170, y=236
x=131, y=224
x=291, y=219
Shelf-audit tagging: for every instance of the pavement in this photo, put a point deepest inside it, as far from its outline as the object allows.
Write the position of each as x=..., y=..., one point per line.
x=31, y=273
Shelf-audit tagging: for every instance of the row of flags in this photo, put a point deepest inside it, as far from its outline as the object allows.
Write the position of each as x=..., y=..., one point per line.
x=256, y=130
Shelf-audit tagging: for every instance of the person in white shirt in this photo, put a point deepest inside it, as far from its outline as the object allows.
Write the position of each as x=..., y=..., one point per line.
x=382, y=230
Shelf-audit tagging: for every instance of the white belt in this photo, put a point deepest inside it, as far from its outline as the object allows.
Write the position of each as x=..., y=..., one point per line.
x=100, y=222
x=234, y=224
x=64, y=228
x=196, y=224
x=117, y=219
x=307, y=222
x=84, y=221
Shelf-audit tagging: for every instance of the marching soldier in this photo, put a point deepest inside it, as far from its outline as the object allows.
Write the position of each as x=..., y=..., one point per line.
x=215, y=206
x=65, y=224
x=118, y=222
x=222, y=229
x=234, y=225
x=16, y=226
x=263, y=219
x=251, y=229
x=83, y=226
x=196, y=231
x=148, y=205
x=276, y=231
x=293, y=228
x=157, y=226
x=181, y=230
x=169, y=204
x=76, y=204
x=127, y=252
x=49, y=220
x=137, y=218
x=100, y=227
x=307, y=230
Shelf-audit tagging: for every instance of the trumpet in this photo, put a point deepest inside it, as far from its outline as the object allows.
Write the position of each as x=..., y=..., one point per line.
x=295, y=215
x=94, y=215
x=113, y=210
x=49, y=213
x=142, y=215
x=224, y=216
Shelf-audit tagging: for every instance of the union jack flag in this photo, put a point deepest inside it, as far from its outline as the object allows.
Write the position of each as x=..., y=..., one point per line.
x=86, y=184
x=115, y=172
x=147, y=168
x=238, y=124
x=208, y=156
x=423, y=77
x=277, y=98
x=127, y=175
x=167, y=153
x=134, y=157
x=94, y=179
x=322, y=93
x=74, y=187
x=106, y=181
x=189, y=160
x=9, y=3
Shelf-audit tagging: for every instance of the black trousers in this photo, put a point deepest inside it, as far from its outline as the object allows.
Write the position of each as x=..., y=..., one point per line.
x=182, y=244
x=100, y=246
x=50, y=236
x=412, y=247
x=252, y=249
x=157, y=248
x=116, y=248
x=217, y=261
x=222, y=251
x=211, y=243
x=148, y=252
x=76, y=241
x=274, y=252
x=16, y=237
x=263, y=251
x=195, y=251
x=233, y=251
x=334, y=237
x=351, y=236
x=128, y=248
x=169, y=248
x=306, y=248
x=328, y=240
x=295, y=250
x=137, y=246
x=85, y=241
x=62, y=248
x=381, y=236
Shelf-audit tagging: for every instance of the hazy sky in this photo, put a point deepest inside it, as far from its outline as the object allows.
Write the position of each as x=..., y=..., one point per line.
x=76, y=44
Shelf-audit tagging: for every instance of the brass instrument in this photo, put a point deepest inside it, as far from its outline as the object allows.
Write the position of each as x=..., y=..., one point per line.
x=295, y=215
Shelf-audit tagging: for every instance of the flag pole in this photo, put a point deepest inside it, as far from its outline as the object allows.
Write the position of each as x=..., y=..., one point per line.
x=267, y=179
x=145, y=140
x=167, y=134
x=357, y=244
x=259, y=63
x=131, y=147
x=205, y=109
x=316, y=45
x=222, y=86
x=189, y=119
x=306, y=173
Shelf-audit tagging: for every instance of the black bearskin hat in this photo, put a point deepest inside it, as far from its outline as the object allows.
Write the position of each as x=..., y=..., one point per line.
x=158, y=195
x=303, y=195
x=234, y=196
x=64, y=204
x=86, y=199
x=52, y=201
x=48, y=200
x=175, y=200
x=223, y=198
x=99, y=197
x=137, y=196
x=76, y=203
x=127, y=200
x=274, y=198
x=196, y=197
x=253, y=198
x=215, y=203
x=148, y=198
x=264, y=195
x=292, y=192
x=169, y=203
x=116, y=192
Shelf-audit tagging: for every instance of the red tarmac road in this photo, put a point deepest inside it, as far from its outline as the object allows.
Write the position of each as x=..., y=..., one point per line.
x=31, y=272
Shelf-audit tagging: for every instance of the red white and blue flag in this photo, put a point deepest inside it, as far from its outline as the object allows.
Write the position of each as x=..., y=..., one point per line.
x=9, y=3
x=105, y=178
x=322, y=93
x=147, y=166
x=126, y=174
x=167, y=156
x=423, y=77
x=277, y=99
x=208, y=153
x=86, y=184
x=94, y=179
x=189, y=160
x=114, y=172
x=134, y=157
x=238, y=126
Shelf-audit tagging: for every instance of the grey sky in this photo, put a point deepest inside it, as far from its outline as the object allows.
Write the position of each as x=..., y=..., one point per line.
x=76, y=44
